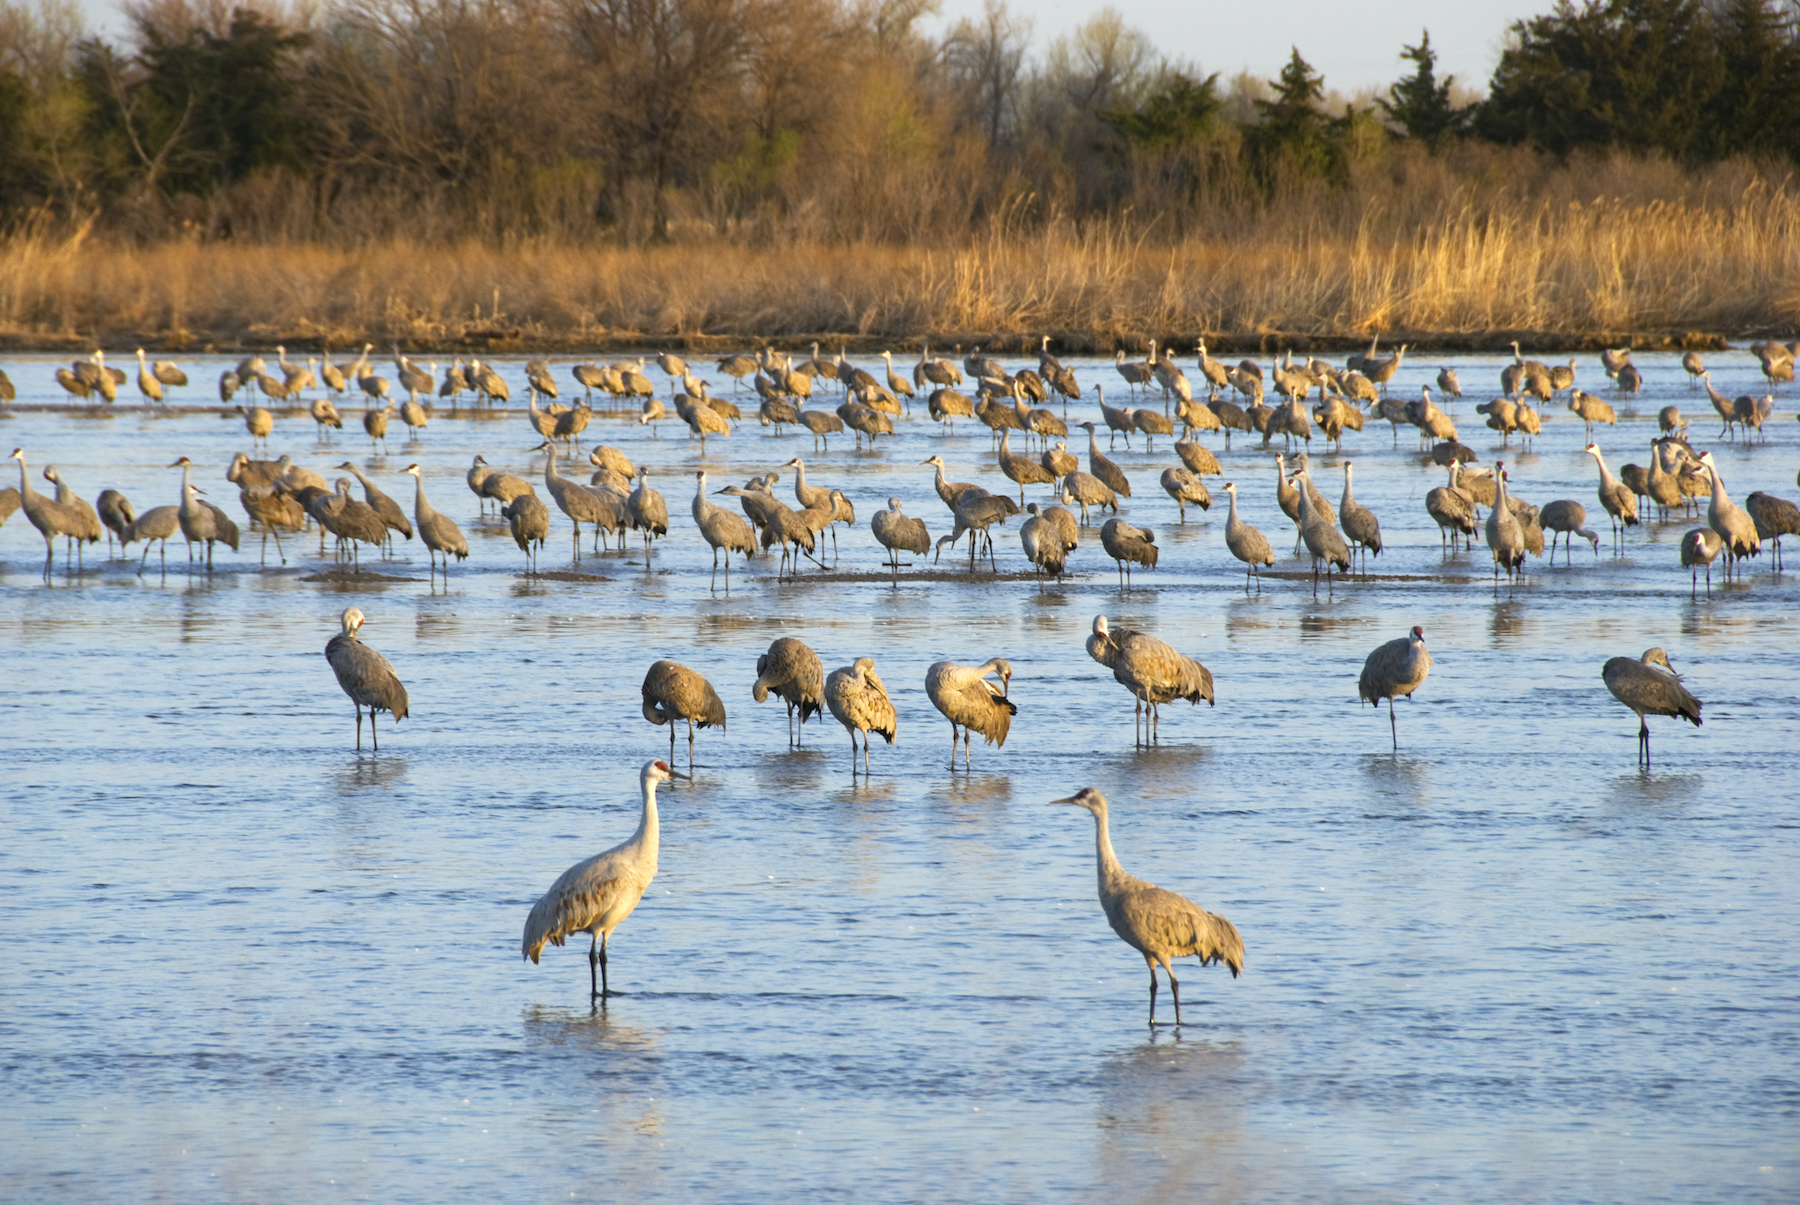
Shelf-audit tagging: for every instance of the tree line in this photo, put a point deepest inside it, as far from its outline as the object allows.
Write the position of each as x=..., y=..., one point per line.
x=791, y=120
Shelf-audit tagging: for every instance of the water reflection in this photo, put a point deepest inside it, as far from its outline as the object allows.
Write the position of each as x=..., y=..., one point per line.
x=1171, y=1116
x=1398, y=779
x=369, y=770
x=1653, y=787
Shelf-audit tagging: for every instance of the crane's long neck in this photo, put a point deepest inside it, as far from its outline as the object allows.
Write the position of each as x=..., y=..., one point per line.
x=1231, y=516
x=800, y=475
x=1107, y=867
x=25, y=490
x=1606, y=478
x=648, y=831
x=1345, y=504
x=421, y=507
x=187, y=495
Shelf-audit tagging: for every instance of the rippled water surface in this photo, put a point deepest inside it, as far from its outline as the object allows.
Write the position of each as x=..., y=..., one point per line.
x=243, y=961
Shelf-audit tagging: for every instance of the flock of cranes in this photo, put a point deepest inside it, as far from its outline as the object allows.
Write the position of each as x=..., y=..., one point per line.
x=280, y=497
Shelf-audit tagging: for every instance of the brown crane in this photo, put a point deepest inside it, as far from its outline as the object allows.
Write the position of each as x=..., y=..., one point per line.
x=859, y=701
x=674, y=692
x=1649, y=686
x=364, y=675
x=1398, y=667
x=793, y=671
x=962, y=694
x=1152, y=671
x=1157, y=923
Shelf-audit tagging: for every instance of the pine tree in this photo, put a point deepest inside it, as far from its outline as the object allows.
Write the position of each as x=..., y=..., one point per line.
x=1422, y=105
x=1293, y=134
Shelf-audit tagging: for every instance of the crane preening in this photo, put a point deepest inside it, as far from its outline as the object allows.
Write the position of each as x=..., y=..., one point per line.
x=1396, y=668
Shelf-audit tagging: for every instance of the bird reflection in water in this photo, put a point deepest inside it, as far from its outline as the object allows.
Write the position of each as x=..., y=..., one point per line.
x=370, y=770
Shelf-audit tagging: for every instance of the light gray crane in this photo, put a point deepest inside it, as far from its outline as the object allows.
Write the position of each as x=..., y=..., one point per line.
x=859, y=701
x=1099, y=466
x=274, y=510
x=823, y=425
x=1135, y=372
x=1022, y=470
x=1043, y=543
x=353, y=522
x=477, y=477
x=155, y=525
x=1128, y=546
x=1246, y=543
x=259, y=422
x=1700, y=547
x=976, y=513
x=1447, y=383
x=674, y=692
x=864, y=420
x=1649, y=686
x=1774, y=517
x=388, y=510
x=649, y=513
x=1320, y=537
x=1359, y=522
x=1505, y=538
x=793, y=671
x=92, y=530
x=47, y=515
x=898, y=532
x=1060, y=461
x=1568, y=518
x=439, y=533
x=1398, y=667
x=202, y=522
x=1157, y=923
x=1216, y=374
x=1153, y=671
x=1727, y=518
x=950, y=491
x=1184, y=487
x=375, y=424
x=325, y=414
x=365, y=676
x=780, y=524
x=721, y=529
x=964, y=697
x=814, y=497
x=571, y=497
x=529, y=519
x=595, y=896
x=946, y=405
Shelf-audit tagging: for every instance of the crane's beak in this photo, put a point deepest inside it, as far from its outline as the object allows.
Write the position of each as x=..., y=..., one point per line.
x=1070, y=799
x=674, y=773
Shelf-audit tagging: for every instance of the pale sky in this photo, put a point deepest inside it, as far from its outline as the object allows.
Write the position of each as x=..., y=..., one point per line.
x=1352, y=45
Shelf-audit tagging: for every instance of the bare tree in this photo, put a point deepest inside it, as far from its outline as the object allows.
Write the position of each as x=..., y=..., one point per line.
x=986, y=56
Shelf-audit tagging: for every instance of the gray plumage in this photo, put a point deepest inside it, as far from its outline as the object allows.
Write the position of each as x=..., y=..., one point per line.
x=859, y=701
x=1568, y=518
x=865, y=420
x=1398, y=667
x=1700, y=548
x=1358, y=521
x=1043, y=544
x=352, y=521
x=1650, y=686
x=898, y=532
x=1505, y=539
x=529, y=520
x=201, y=522
x=1157, y=923
x=571, y=497
x=1128, y=546
x=116, y=515
x=46, y=514
x=1320, y=537
x=274, y=510
x=1088, y=491
x=962, y=694
x=1099, y=466
x=720, y=529
x=155, y=525
x=365, y=676
x=90, y=530
x=1245, y=542
x=672, y=692
x=649, y=513
x=1726, y=517
x=976, y=513
x=1774, y=517
x=1198, y=458
x=439, y=533
x=1152, y=670
x=1615, y=496
x=1022, y=470
x=392, y=517
x=595, y=895
x=1184, y=487
x=794, y=672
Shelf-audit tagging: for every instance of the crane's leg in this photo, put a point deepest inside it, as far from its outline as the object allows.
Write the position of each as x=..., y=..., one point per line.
x=1392, y=725
x=671, y=742
x=1175, y=991
x=853, y=755
x=953, y=746
x=376, y=740
x=593, y=962
x=359, y=727
x=1644, y=741
x=1152, y=993
x=690, y=725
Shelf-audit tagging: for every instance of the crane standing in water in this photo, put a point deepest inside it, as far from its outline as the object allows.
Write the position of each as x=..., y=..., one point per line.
x=365, y=676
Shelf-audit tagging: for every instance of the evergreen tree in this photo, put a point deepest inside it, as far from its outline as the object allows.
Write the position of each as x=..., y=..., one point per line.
x=1179, y=112
x=1422, y=105
x=1758, y=108
x=1293, y=134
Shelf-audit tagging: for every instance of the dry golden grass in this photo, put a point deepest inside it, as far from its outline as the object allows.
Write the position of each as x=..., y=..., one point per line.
x=1578, y=272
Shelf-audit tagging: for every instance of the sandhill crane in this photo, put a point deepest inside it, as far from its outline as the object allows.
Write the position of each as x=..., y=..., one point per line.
x=859, y=701
x=1246, y=543
x=965, y=698
x=976, y=511
x=1135, y=372
x=1592, y=410
x=375, y=423
x=529, y=520
x=51, y=518
x=649, y=513
x=89, y=529
x=325, y=414
x=793, y=671
x=1128, y=546
x=1088, y=491
x=1726, y=517
x=1043, y=543
x=147, y=383
x=898, y=532
x=167, y=372
x=332, y=376
x=674, y=692
x=8, y=392
x=477, y=477
x=1615, y=496
x=1629, y=379
x=1320, y=537
x=1380, y=372
x=1151, y=670
x=1103, y=469
x=1505, y=538
x=1117, y=420
x=673, y=366
x=500, y=486
x=1452, y=510
x=1214, y=372
x=1395, y=668
x=365, y=676
x=1359, y=522
x=1184, y=487
x=720, y=529
x=950, y=491
x=1649, y=685
x=392, y=517
x=595, y=896
x=354, y=523
x=1060, y=461
x=1700, y=548
x=1021, y=469
x=202, y=522
x=814, y=497
x=1152, y=423
x=439, y=533
x=864, y=420
x=1447, y=383
x=1569, y=519
x=259, y=422
x=1157, y=923
x=571, y=497
x=1774, y=517
x=155, y=525
x=275, y=510
x=415, y=418
x=72, y=382
x=117, y=515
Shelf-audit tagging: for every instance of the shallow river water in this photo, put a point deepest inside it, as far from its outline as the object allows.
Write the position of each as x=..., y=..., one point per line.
x=245, y=962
